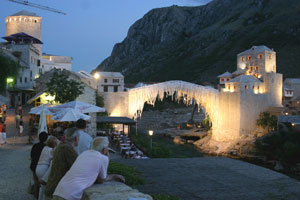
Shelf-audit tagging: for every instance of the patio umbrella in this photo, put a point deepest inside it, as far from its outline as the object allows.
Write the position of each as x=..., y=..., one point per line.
x=69, y=115
x=38, y=110
x=43, y=122
x=80, y=106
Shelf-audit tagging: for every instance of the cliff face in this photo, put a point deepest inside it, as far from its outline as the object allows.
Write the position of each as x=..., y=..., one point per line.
x=198, y=43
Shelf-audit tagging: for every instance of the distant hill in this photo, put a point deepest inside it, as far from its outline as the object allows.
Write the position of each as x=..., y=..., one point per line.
x=198, y=43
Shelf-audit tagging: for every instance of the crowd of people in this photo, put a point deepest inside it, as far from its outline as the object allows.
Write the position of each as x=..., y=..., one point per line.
x=63, y=168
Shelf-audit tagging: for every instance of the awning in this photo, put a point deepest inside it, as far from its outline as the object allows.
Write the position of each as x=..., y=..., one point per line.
x=115, y=120
x=36, y=96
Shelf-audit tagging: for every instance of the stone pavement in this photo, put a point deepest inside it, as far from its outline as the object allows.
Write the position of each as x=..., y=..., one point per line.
x=214, y=178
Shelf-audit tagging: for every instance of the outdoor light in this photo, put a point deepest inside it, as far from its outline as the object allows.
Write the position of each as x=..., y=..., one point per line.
x=9, y=80
x=286, y=113
x=151, y=134
x=97, y=75
x=293, y=124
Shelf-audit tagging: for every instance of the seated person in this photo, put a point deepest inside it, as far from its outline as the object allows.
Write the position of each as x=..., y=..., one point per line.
x=90, y=167
x=63, y=158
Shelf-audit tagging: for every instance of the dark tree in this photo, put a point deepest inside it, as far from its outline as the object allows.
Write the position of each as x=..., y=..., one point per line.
x=63, y=88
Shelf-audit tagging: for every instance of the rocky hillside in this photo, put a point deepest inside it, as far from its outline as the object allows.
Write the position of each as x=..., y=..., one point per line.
x=198, y=43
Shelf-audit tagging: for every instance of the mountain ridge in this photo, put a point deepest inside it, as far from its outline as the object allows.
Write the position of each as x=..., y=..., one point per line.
x=198, y=43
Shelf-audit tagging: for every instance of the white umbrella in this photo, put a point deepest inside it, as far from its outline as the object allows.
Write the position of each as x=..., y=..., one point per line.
x=80, y=106
x=38, y=110
x=69, y=115
x=43, y=122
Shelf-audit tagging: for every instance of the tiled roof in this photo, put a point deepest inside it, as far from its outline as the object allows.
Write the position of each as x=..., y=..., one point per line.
x=256, y=49
x=225, y=75
x=245, y=79
x=25, y=13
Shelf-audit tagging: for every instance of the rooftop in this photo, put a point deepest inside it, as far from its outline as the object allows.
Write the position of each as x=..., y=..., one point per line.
x=245, y=79
x=110, y=74
x=22, y=37
x=293, y=80
x=256, y=49
x=24, y=13
x=238, y=72
x=225, y=75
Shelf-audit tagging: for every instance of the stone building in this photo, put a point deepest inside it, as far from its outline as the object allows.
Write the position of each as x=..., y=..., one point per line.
x=110, y=81
x=59, y=62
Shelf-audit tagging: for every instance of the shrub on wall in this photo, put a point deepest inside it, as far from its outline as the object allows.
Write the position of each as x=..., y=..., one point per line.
x=8, y=69
x=266, y=120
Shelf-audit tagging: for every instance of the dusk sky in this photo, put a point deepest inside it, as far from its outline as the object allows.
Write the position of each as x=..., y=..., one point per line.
x=91, y=27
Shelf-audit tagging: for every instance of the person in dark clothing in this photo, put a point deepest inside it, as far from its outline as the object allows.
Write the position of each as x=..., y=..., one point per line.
x=35, y=154
x=37, y=149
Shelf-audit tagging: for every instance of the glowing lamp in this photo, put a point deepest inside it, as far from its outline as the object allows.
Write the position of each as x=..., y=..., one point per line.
x=9, y=80
x=150, y=132
x=97, y=76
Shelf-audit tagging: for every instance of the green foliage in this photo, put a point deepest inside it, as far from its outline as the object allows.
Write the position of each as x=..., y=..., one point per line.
x=130, y=174
x=164, y=197
x=283, y=146
x=266, y=120
x=64, y=89
x=99, y=100
x=163, y=147
x=8, y=69
x=207, y=123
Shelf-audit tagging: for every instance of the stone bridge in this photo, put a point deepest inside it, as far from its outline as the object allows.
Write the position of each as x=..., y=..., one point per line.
x=232, y=114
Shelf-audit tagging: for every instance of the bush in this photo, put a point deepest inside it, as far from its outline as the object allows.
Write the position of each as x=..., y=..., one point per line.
x=266, y=120
x=130, y=174
x=283, y=146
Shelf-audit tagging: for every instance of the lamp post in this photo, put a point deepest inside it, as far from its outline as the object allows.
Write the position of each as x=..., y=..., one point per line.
x=150, y=134
x=97, y=77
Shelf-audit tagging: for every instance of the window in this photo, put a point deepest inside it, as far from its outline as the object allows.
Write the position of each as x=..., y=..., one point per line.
x=246, y=87
x=234, y=87
x=105, y=88
x=115, y=80
x=228, y=87
x=38, y=62
x=253, y=87
x=30, y=75
x=246, y=67
x=270, y=57
x=222, y=79
x=115, y=88
x=256, y=68
x=243, y=59
x=249, y=58
x=25, y=80
x=105, y=80
x=20, y=80
x=251, y=68
x=258, y=87
x=227, y=79
x=31, y=59
x=260, y=56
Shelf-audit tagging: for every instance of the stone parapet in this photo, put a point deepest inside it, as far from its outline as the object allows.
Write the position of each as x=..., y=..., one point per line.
x=113, y=191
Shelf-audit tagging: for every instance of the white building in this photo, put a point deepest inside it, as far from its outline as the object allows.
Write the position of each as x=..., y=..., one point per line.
x=59, y=62
x=110, y=82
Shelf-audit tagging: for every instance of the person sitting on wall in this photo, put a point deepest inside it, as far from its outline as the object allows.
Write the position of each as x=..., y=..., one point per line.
x=90, y=167
x=63, y=158
x=85, y=140
x=2, y=132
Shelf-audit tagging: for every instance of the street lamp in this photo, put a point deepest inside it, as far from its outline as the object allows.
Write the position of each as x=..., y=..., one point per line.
x=97, y=77
x=151, y=134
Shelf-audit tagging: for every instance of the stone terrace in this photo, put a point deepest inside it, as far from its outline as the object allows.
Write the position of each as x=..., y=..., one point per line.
x=214, y=178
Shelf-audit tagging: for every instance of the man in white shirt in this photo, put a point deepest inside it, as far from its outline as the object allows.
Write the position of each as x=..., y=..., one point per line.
x=85, y=140
x=89, y=167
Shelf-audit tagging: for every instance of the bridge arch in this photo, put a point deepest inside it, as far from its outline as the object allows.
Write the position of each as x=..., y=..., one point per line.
x=205, y=96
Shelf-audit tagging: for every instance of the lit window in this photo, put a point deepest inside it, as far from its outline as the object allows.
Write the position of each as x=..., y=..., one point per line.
x=228, y=87
x=256, y=68
x=253, y=87
x=227, y=79
x=260, y=56
x=258, y=87
x=243, y=59
x=9, y=19
x=20, y=19
x=234, y=87
x=15, y=19
x=222, y=79
x=246, y=67
x=6, y=20
x=249, y=58
x=251, y=68
x=246, y=87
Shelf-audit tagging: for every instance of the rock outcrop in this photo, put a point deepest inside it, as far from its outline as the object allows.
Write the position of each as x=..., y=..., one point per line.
x=197, y=43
